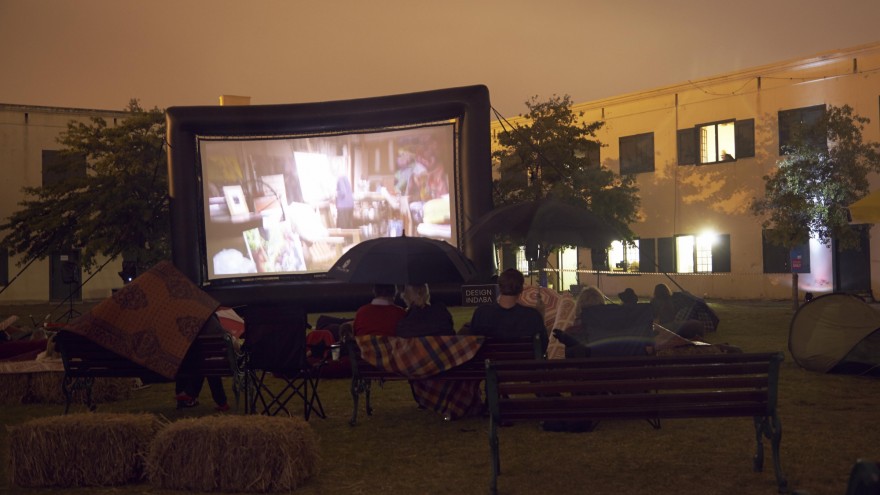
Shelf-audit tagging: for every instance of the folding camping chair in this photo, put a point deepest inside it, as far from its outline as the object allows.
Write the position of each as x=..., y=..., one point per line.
x=275, y=342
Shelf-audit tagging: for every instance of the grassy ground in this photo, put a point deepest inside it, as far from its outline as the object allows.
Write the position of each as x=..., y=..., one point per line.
x=828, y=422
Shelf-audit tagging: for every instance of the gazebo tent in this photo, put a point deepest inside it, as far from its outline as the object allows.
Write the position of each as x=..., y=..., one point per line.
x=836, y=333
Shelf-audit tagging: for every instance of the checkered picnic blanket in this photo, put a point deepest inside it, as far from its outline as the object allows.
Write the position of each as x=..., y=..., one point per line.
x=419, y=358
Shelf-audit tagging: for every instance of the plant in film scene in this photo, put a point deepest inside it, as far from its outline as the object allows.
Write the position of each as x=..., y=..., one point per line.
x=107, y=195
x=824, y=167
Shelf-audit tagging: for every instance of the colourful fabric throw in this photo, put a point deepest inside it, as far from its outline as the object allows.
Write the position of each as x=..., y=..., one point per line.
x=419, y=358
x=152, y=320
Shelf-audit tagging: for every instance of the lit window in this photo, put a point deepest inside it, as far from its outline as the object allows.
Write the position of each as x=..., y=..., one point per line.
x=684, y=253
x=717, y=142
x=704, y=252
x=623, y=257
x=568, y=262
x=522, y=263
x=694, y=253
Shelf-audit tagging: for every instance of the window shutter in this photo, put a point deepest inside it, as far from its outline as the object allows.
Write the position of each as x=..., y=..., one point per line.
x=721, y=253
x=666, y=254
x=647, y=257
x=745, y=138
x=599, y=257
x=687, y=146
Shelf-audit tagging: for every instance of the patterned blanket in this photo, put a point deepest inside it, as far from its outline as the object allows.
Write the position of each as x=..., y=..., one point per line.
x=419, y=358
x=558, y=310
x=152, y=320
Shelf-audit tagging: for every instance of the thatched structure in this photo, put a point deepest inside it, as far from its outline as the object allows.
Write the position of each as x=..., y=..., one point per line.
x=234, y=454
x=81, y=449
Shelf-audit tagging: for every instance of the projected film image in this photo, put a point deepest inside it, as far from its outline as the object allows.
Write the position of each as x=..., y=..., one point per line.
x=294, y=205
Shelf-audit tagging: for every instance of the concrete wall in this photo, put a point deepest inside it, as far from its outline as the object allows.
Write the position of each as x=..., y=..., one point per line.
x=25, y=131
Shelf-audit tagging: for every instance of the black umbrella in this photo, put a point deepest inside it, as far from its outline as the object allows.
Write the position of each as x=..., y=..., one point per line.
x=546, y=221
x=403, y=260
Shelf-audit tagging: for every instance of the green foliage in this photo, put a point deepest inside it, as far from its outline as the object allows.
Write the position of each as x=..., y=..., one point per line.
x=551, y=156
x=809, y=193
x=118, y=206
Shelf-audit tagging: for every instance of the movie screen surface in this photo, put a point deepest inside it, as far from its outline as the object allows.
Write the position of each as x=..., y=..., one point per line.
x=292, y=205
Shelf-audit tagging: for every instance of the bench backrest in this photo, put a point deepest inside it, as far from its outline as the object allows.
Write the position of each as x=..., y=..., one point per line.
x=207, y=356
x=719, y=385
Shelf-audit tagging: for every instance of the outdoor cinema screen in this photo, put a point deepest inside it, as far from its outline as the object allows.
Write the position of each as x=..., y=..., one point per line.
x=293, y=205
x=264, y=199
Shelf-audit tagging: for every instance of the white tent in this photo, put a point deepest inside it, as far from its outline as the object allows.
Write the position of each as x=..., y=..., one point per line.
x=836, y=333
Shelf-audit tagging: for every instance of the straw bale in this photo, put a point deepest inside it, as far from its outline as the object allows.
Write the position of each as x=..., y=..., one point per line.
x=89, y=449
x=45, y=388
x=234, y=454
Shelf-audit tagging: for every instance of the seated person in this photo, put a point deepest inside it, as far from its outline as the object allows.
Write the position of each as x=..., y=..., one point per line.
x=664, y=307
x=507, y=319
x=422, y=317
x=381, y=315
x=628, y=297
x=574, y=337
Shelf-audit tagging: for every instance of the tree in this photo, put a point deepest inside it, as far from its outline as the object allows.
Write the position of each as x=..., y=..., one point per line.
x=816, y=179
x=556, y=154
x=118, y=206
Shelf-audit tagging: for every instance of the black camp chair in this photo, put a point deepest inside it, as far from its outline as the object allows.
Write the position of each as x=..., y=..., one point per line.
x=275, y=342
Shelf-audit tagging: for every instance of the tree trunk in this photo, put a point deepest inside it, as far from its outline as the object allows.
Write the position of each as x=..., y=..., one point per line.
x=794, y=291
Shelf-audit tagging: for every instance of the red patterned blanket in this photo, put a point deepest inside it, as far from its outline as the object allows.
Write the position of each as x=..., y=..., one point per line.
x=152, y=320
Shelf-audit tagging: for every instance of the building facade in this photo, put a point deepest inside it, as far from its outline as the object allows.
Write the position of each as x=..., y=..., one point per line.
x=700, y=150
x=28, y=148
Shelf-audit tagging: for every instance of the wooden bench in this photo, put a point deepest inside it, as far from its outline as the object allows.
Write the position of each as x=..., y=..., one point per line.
x=363, y=373
x=645, y=387
x=84, y=360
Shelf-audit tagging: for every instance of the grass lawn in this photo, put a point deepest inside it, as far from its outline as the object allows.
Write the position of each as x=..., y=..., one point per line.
x=828, y=422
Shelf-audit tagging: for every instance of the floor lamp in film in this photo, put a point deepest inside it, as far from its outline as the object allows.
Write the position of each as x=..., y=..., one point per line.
x=70, y=276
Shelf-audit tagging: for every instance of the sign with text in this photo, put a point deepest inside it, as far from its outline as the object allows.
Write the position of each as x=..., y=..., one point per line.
x=475, y=295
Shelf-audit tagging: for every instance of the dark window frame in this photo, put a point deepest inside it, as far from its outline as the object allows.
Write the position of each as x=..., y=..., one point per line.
x=804, y=117
x=636, y=153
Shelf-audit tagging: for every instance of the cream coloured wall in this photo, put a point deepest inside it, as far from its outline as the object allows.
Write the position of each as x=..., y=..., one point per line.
x=25, y=131
x=688, y=199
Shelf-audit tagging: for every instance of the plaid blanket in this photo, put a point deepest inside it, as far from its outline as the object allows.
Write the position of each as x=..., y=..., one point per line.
x=419, y=358
x=152, y=320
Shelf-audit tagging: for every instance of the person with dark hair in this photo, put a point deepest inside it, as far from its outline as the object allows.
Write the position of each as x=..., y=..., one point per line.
x=664, y=307
x=506, y=318
x=423, y=317
x=628, y=296
x=381, y=315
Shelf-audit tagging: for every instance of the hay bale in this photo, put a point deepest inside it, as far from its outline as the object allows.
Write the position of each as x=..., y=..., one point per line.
x=90, y=449
x=234, y=454
x=45, y=388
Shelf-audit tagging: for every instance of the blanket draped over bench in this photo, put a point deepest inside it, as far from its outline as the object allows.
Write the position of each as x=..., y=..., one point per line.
x=419, y=358
x=152, y=320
